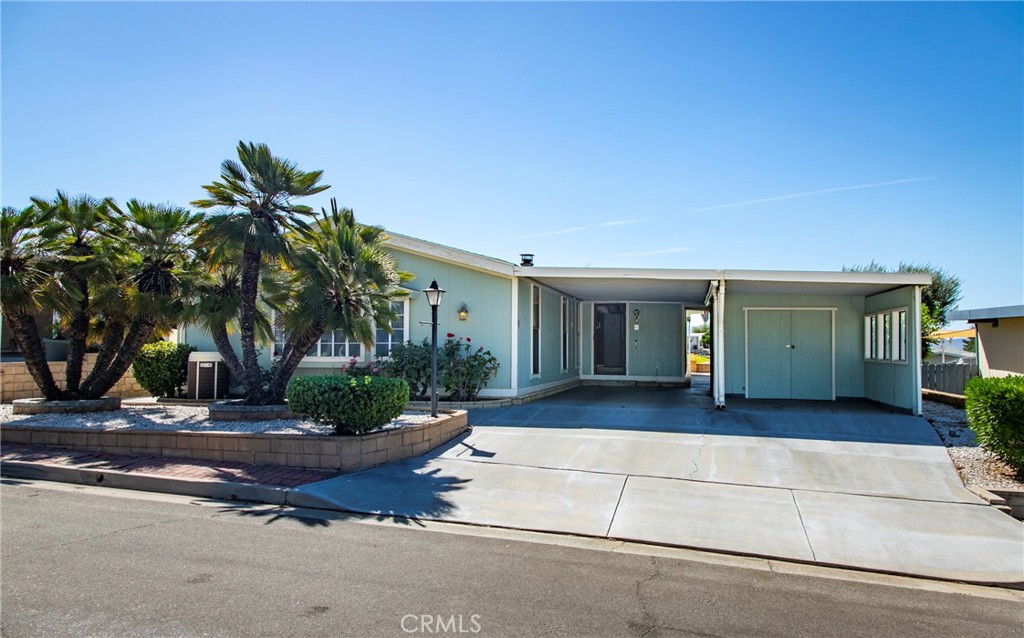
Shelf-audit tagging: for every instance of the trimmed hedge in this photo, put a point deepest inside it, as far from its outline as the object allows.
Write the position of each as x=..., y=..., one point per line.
x=162, y=367
x=995, y=411
x=352, y=405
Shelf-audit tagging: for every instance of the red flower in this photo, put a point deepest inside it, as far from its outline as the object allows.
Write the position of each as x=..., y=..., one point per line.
x=468, y=340
x=451, y=335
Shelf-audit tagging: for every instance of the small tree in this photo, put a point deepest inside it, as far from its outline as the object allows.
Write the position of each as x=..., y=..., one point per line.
x=115, y=276
x=258, y=194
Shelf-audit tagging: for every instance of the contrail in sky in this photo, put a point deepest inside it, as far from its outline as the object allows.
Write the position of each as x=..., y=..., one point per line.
x=823, y=191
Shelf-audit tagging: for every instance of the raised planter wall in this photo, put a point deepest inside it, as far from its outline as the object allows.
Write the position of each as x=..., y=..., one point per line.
x=17, y=383
x=339, y=453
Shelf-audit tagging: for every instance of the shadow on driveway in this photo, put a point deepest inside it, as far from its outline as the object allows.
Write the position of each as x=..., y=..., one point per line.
x=690, y=411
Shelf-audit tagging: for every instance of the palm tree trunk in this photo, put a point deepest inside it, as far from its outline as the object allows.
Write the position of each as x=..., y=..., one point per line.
x=79, y=333
x=113, y=337
x=27, y=335
x=101, y=380
x=219, y=333
x=294, y=352
x=251, y=257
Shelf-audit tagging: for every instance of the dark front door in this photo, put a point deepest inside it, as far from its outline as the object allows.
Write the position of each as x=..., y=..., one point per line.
x=610, y=338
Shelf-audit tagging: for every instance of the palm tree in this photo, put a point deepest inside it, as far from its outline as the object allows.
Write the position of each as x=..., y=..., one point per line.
x=116, y=274
x=258, y=193
x=24, y=273
x=339, y=278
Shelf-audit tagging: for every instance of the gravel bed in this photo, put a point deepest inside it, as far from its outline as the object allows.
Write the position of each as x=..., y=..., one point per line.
x=188, y=418
x=977, y=467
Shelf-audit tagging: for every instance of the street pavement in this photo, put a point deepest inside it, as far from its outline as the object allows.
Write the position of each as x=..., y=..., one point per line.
x=843, y=483
x=88, y=561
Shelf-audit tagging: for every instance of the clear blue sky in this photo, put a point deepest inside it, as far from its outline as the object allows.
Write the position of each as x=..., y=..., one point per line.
x=778, y=136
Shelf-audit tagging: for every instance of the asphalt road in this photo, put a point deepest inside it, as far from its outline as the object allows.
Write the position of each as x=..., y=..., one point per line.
x=90, y=562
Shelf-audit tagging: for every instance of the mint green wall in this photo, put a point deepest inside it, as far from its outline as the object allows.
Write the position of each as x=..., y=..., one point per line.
x=488, y=298
x=894, y=383
x=849, y=331
x=550, y=337
x=656, y=349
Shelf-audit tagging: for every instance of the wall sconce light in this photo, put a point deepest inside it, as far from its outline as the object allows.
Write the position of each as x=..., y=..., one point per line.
x=636, y=319
x=463, y=312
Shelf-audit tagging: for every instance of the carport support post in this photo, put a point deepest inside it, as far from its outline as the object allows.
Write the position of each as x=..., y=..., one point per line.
x=718, y=355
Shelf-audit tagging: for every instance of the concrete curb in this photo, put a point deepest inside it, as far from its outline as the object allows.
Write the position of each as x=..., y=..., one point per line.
x=147, y=482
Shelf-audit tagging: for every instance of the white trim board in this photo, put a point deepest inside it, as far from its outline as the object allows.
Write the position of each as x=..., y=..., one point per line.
x=746, y=341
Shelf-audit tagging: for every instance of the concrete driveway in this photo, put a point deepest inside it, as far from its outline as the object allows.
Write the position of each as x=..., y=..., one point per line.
x=841, y=483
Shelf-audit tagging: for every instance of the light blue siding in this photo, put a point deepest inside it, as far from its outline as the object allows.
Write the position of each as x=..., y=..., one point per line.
x=487, y=297
x=550, y=337
x=656, y=349
x=587, y=339
x=894, y=382
x=849, y=362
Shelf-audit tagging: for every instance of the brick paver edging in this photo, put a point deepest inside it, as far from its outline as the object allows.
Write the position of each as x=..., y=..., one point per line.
x=338, y=453
x=188, y=469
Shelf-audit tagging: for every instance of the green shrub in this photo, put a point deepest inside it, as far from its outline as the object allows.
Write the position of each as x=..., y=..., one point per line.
x=995, y=411
x=411, y=362
x=462, y=369
x=352, y=405
x=162, y=368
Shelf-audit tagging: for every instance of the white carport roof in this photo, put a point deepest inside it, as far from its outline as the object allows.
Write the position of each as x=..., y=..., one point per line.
x=690, y=287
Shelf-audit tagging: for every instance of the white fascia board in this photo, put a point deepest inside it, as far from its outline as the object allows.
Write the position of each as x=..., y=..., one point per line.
x=568, y=272
x=450, y=255
x=827, y=277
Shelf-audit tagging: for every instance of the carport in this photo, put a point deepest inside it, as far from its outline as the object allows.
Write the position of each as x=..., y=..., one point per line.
x=775, y=334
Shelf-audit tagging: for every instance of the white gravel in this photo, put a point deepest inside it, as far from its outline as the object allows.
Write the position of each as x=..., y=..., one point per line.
x=189, y=418
x=977, y=467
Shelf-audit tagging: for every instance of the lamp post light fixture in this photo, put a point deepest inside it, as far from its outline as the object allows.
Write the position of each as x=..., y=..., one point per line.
x=433, y=294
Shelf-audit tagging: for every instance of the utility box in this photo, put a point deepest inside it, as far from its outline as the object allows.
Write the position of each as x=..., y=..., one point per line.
x=207, y=376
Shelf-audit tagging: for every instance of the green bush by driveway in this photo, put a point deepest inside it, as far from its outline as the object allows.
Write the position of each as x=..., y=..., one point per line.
x=352, y=405
x=995, y=411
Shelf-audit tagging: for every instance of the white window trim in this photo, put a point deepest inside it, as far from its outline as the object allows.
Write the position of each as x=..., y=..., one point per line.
x=563, y=335
x=894, y=336
x=405, y=329
x=536, y=297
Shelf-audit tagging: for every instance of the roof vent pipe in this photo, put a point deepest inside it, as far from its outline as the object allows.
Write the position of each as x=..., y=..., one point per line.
x=527, y=259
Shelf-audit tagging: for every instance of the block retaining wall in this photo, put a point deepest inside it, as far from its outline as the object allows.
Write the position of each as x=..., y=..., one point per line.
x=338, y=453
x=17, y=383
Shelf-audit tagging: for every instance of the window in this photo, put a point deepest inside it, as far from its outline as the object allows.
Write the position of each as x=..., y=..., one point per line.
x=332, y=343
x=872, y=337
x=385, y=341
x=565, y=334
x=535, y=330
x=902, y=340
x=887, y=336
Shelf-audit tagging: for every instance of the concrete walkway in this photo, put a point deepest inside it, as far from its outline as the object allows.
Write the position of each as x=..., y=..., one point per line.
x=842, y=484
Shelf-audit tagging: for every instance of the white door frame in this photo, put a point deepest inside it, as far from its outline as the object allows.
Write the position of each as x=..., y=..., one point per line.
x=746, y=343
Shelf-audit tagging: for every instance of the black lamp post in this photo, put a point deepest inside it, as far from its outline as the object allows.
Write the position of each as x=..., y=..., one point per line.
x=434, y=295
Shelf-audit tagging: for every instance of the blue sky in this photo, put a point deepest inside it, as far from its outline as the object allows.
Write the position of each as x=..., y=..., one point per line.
x=797, y=136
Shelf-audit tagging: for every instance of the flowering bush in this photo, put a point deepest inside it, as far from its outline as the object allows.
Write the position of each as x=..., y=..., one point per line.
x=462, y=370
x=465, y=371
x=370, y=369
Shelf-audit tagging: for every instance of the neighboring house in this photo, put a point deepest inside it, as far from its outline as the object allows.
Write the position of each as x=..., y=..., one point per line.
x=1000, y=344
x=948, y=347
x=775, y=334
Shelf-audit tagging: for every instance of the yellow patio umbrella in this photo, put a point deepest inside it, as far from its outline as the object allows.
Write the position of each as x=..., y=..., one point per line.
x=966, y=333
